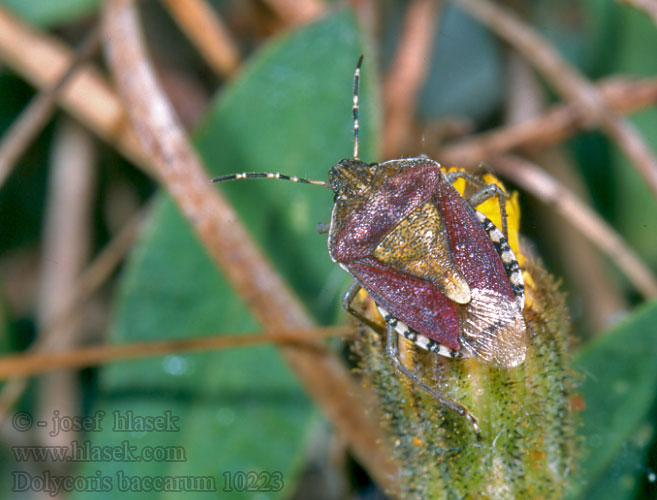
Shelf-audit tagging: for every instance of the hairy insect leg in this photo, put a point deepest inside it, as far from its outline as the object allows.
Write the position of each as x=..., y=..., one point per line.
x=348, y=298
x=485, y=192
x=393, y=351
x=488, y=192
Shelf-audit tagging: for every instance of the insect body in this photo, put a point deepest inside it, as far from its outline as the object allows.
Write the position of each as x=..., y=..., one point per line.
x=441, y=274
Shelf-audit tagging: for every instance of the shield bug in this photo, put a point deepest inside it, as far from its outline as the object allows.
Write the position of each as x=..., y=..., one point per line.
x=441, y=273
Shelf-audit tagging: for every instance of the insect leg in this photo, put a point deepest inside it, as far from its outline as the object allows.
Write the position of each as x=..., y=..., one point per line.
x=348, y=298
x=487, y=191
x=393, y=351
x=323, y=227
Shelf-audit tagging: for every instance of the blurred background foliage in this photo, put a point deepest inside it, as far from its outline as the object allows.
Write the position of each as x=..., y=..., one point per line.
x=287, y=109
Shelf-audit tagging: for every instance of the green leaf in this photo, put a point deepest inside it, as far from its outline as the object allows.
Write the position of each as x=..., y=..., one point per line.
x=635, y=202
x=239, y=410
x=452, y=88
x=623, y=477
x=619, y=387
x=46, y=13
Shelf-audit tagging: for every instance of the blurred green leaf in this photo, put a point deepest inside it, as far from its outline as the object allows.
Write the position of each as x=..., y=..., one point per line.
x=619, y=387
x=466, y=70
x=583, y=32
x=48, y=13
x=635, y=201
x=623, y=477
x=239, y=410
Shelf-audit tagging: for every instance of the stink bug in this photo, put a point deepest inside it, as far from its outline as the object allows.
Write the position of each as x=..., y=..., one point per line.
x=441, y=273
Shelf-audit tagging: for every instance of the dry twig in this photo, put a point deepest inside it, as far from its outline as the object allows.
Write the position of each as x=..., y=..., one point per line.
x=552, y=127
x=41, y=59
x=588, y=273
x=94, y=276
x=407, y=73
x=548, y=190
x=103, y=112
x=35, y=363
x=648, y=6
x=297, y=12
x=568, y=82
x=215, y=224
x=206, y=30
x=65, y=251
x=585, y=267
x=37, y=113
x=89, y=281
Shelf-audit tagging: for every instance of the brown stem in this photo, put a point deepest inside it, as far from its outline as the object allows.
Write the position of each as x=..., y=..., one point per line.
x=568, y=82
x=585, y=268
x=407, y=73
x=208, y=33
x=297, y=12
x=89, y=281
x=41, y=59
x=648, y=6
x=216, y=226
x=590, y=277
x=90, y=99
x=554, y=126
x=35, y=363
x=65, y=251
x=37, y=113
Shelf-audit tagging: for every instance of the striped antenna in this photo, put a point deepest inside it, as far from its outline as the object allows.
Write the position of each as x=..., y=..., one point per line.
x=268, y=175
x=354, y=108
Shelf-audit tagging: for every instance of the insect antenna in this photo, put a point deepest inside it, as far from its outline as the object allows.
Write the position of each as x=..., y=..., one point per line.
x=269, y=175
x=354, y=108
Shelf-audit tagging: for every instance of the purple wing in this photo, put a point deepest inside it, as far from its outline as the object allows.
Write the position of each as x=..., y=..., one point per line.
x=492, y=327
x=473, y=251
x=417, y=303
